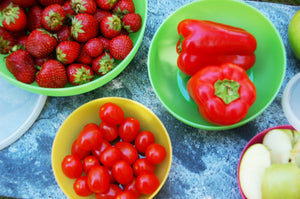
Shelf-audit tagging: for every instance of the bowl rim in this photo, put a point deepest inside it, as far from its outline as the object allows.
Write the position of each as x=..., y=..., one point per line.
x=126, y=100
x=219, y=127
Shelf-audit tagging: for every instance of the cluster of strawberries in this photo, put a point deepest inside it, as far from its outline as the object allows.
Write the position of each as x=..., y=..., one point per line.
x=54, y=42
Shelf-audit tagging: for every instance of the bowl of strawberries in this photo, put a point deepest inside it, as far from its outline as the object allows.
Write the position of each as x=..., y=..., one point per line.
x=68, y=47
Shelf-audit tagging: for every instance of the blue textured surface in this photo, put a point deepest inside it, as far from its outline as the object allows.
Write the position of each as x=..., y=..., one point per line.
x=204, y=162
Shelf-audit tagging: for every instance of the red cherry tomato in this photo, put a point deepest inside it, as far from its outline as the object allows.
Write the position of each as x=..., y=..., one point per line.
x=122, y=172
x=78, y=151
x=110, y=132
x=143, y=164
x=143, y=140
x=88, y=162
x=90, y=137
x=72, y=166
x=129, y=129
x=111, y=193
x=147, y=182
x=97, y=151
x=110, y=155
x=111, y=113
x=155, y=153
x=132, y=187
x=81, y=188
x=125, y=195
x=98, y=179
x=129, y=152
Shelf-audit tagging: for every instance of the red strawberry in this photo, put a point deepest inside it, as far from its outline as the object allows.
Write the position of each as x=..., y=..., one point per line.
x=53, y=17
x=21, y=42
x=64, y=34
x=84, y=6
x=67, y=51
x=100, y=14
x=103, y=64
x=105, y=42
x=25, y=4
x=52, y=75
x=79, y=74
x=124, y=7
x=49, y=2
x=84, y=27
x=21, y=65
x=93, y=47
x=40, y=43
x=83, y=57
x=7, y=41
x=132, y=22
x=40, y=61
x=120, y=46
x=110, y=26
x=34, y=18
x=14, y=18
x=106, y=4
x=68, y=9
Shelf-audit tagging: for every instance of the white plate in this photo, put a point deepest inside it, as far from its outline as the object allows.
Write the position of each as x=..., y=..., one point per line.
x=18, y=111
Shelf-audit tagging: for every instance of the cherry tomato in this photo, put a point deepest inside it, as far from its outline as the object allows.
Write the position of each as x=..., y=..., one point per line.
x=142, y=164
x=129, y=152
x=81, y=188
x=143, y=140
x=155, y=153
x=78, y=151
x=88, y=162
x=132, y=187
x=125, y=195
x=72, y=166
x=97, y=151
x=98, y=179
x=111, y=113
x=111, y=193
x=110, y=132
x=110, y=155
x=129, y=129
x=147, y=182
x=122, y=172
x=90, y=137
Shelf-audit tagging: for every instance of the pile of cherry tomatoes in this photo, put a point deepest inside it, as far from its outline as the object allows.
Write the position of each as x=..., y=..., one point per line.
x=114, y=159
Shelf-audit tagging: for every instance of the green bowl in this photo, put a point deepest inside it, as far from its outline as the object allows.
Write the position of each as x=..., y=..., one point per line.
x=170, y=84
x=141, y=8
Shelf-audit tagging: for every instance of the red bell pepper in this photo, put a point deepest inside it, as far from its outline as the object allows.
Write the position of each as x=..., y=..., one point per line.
x=222, y=93
x=203, y=43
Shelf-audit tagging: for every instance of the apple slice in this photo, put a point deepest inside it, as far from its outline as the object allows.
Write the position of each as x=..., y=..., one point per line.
x=252, y=168
x=280, y=145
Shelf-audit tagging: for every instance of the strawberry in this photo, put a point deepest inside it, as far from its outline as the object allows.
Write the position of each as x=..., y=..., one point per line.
x=40, y=43
x=105, y=43
x=110, y=26
x=83, y=57
x=21, y=64
x=21, y=42
x=103, y=64
x=49, y=2
x=79, y=74
x=67, y=51
x=106, y=4
x=100, y=14
x=34, y=18
x=7, y=41
x=120, y=46
x=132, y=22
x=68, y=9
x=64, y=34
x=84, y=27
x=40, y=61
x=84, y=6
x=93, y=47
x=14, y=18
x=124, y=7
x=52, y=75
x=25, y=4
x=53, y=17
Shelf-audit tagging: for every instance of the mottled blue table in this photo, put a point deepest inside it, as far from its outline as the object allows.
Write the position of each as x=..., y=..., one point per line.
x=204, y=162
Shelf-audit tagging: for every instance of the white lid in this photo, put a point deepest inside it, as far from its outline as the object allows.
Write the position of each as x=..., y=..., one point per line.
x=291, y=102
x=18, y=111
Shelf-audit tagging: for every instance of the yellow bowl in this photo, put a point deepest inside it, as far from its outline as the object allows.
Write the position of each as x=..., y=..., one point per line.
x=88, y=113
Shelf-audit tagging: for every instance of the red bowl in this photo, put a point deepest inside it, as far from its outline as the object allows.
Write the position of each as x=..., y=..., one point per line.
x=256, y=139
